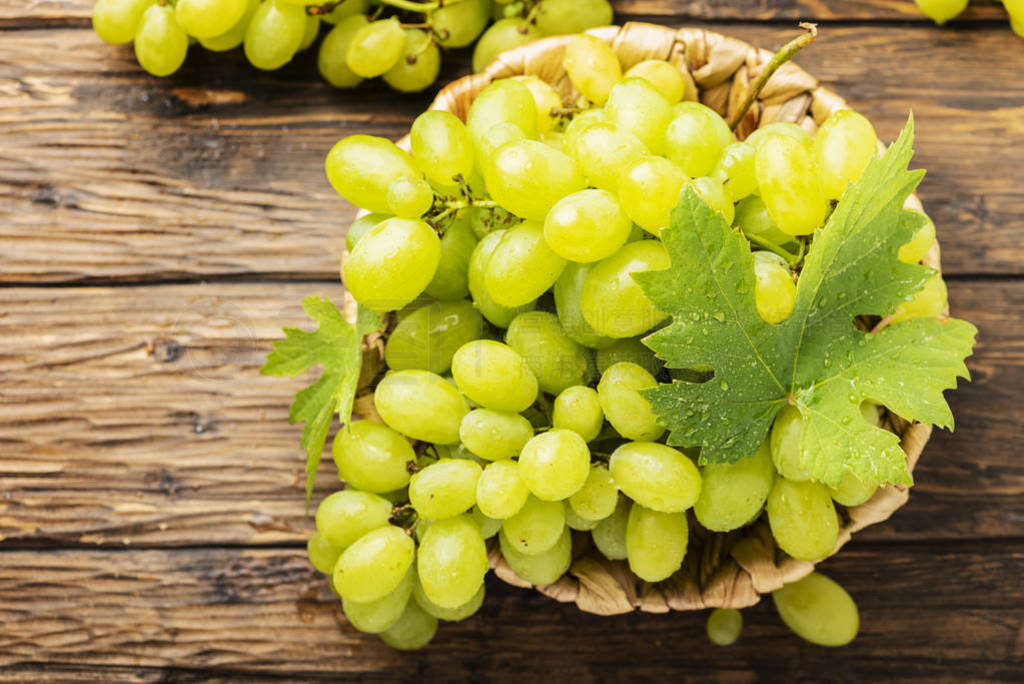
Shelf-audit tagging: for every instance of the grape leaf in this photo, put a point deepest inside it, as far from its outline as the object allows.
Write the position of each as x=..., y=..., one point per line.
x=816, y=359
x=337, y=346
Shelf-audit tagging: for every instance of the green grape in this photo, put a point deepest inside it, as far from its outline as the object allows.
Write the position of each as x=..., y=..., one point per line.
x=753, y=218
x=428, y=338
x=843, y=146
x=568, y=289
x=630, y=349
x=495, y=435
x=656, y=476
x=602, y=151
x=418, y=66
x=732, y=494
x=817, y=609
x=522, y=267
x=160, y=44
x=494, y=375
x=274, y=34
x=578, y=409
x=557, y=17
x=409, y=197
x=648, y=189
x=311, y=31
x=598, y=497
x=503, y=35
x=451, y=279
x=941, y=11
x=414, y=629
x=852, y=490
x=786, y=438
x=803, y=519
x=208, y=18
x=917, y=248
x=444, y=489
x=610, y=534
x=696, y=138
x=345, y=516
x=376, y=47
x=536, y=526
x=715, y=196
x=1017, y=22
x=545, y=99
x=623, y=404
x=457, y=24
x=502, y=101
x=527, y=178
x=556, y=361
x=330, y=61
x=636, y=106
x=500, y=492
x=735, y=170
x=497, y=314
x=555, y=464
x=774, y=289
x=724, y=626
x=574, y=522
x=322, y=553
x=361, y=167
x=377, y=616
x=488, y=526
x=929, y=302
x=442, y=147
x=786, y=128
x=612, y=302
x=588, y=225
x=421, y=405
x=665, y=77
x=234, y=36
x=553, y=139
x=392, y=264
x=346, y=9
x=452, y=561
x=372, y=457
x=790, y=185
x=581, y=122
x=655, y=543
x=374, y=565
x=497, y=137
x=541, y=568
x=448, y=614
x=115, y=21
x=592, y=67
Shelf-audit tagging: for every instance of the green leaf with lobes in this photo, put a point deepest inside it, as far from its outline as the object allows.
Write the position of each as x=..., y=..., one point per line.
x=816, y=359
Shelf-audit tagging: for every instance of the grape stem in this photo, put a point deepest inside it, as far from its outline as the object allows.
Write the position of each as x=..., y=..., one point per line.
x=786, y=53
x=792, y=259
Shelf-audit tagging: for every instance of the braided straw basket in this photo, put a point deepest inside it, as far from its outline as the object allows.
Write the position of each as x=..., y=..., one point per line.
x=728, y=570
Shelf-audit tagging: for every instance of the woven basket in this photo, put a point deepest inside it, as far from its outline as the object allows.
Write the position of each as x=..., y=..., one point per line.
x=729, y=570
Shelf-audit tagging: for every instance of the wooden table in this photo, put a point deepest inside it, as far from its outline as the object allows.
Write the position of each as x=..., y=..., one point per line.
x=156, y=234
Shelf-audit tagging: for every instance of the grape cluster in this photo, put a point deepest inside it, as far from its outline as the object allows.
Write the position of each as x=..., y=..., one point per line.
x=941, y=11
x=512, y=405
x=402, y=46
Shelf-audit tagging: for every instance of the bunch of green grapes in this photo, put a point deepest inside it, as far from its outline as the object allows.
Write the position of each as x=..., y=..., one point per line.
x=941, y=11
x=512, y=404
x=398, y=40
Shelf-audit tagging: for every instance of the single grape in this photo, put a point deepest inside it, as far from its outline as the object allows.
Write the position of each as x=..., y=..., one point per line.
x=929, y=302
x=376, y=47
x=455, y=614
x=557, y=17
x=556, y=361
x=414, y=629
x=612, y=302
x=115, y=21
x=377, y=616
x=497, y=314
x=696, y=138
x=418, y=66
x=504, y=34
x=601, y=150
x=786, y=128
x=441, y=147
x=451, y=279
x=610, y=534
x=636, y=106
x=578, y=409
x=234, y=36
x=536, y=527
x=545, y=99
x=579, y=123
x=444, y=489
x=541, y=568
x=311, y=32
x=372, y=457
x=160, y=44
x=917, y=248
x=421, y=405
x=500, y=491
x=588, y=225
x=457, y=24
x=817, y=609
x=428, y=338
x=802, y=519
x=555, y=464
x=774, y=289
x=568, y=289
x=494, y=375
x=598, y=497
x=790, y=184
x=331, y=61
x=843, y=147
x=655, y=543
x=322, y=553
x=623, y=404
x=345, y=516
x=346, y=9
x=488, y=526
x=852, y=490
x=527, y=178
x=208, y=18
x=648, y=189
x=786, y=439
x=662, y=75
x=392, y=264
x=451, y=561
x=592, y=67
x=724, y=626
x=409, y=197
x=735, y=170
x=522, y=266
x=629, y=349
x=502, y=101
x=361, y=167
x=656, y=476
x=715, y=196
x=941, y=11
x=374, y=565
x=732, y=494
x=497, y=137
x=274, y=34
x=574, y=522
x=495, y=435
x=752, y=217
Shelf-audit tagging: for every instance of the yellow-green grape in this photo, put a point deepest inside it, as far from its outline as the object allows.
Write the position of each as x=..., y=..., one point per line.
x=941, y=11
x=494, y=435
x=451, y=561
x=592, y=66
x=630, y=349
x=497, y=314
x=376, y=616
x=376, y=47
x=374, y=565
x=602, y=151
x=735, y=170
x=274, y=34
x=790, y=185
x=774, y=289
x=555, y=464
x=612, y=302
x=345, y=9
x=500, y=492
x=636, y=106
x=579, y=123
x=598, y=497
x=802, y=519
x=392, y=264
x=665, y=77
x=494, y=375
x=362, y=167
x=502, y=101
x=497, y=137
x=656, y=476
x=610, y=534
x=455, y=614
x=578, y=409
x=574, y=522
x=924, y=238
x=1017, y=22
x=586, y=226
x=556, y=17
x=929, y=302
x=527, y=178
x=568, y=289
x=696, y=138
x=752, y=217
x=817, y=609
x=160, y=44
x=540, y=568
x=322, y=553
x=235, y=35
x=655, y=543
x=115, y=21
x=330, y=61
x=724, y=626
x=504, y=34
x=852, y=490
x=786, y=128
x=428, y=338
x=648, y=189
x=418, y=65
x=843, y=146
x=441, y=147
x=311, y=31
x=409, y=197
x=623, y=405
x=536, y=526
x=522, y=266
x=421, y=405
x=451, y=279
x=545, y=99
x=556, y=361
x=345, y=516
x=208, y=18
x=372, y=457
x=732, y=494
x=414, y=629
x=488, y=526
x=785, y=442
x=457, y=24
x=444, y=489
x=715, y=196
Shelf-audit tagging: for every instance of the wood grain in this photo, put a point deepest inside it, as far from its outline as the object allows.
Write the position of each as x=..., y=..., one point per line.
x=107, y=174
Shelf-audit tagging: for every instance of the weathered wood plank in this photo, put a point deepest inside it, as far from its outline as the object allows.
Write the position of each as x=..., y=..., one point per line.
x=265, y=611
x=108, y=174
x=136, y=416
